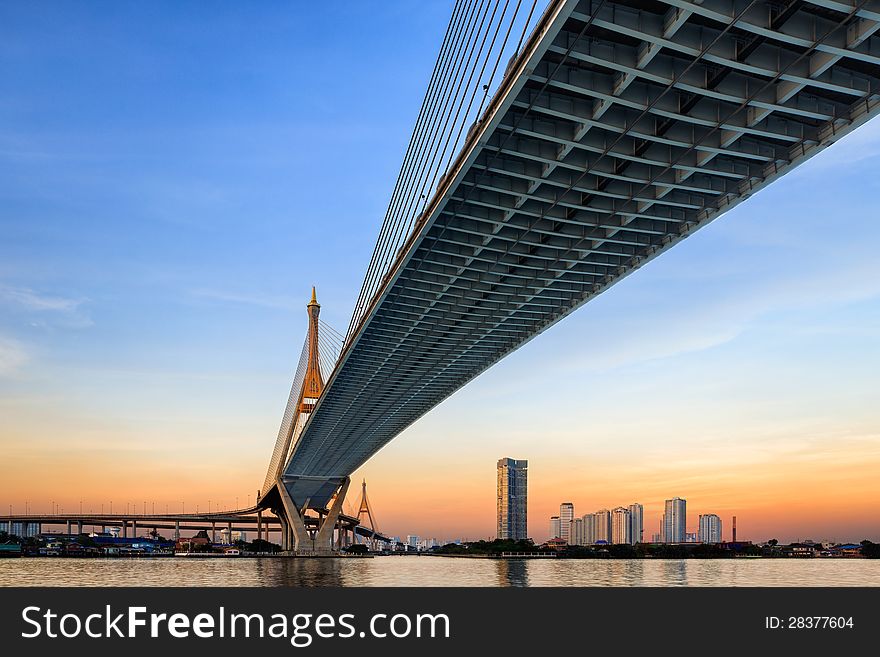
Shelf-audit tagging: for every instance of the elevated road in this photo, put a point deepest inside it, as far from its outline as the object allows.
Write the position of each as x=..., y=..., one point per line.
x=233, y=520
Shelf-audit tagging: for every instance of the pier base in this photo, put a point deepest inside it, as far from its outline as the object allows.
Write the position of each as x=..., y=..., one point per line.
x=299, y=539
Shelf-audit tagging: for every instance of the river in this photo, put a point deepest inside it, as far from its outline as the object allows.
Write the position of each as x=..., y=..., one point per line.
x=434, y=571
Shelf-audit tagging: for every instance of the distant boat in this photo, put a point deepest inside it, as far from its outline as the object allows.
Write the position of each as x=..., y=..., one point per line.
x=10, y=550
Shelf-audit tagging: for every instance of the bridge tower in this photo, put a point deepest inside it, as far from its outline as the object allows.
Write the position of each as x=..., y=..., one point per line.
x=365, y=513
x=291, y=511
x=313, y=385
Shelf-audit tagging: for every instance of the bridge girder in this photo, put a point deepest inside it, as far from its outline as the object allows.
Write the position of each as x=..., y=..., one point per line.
x=620, y=129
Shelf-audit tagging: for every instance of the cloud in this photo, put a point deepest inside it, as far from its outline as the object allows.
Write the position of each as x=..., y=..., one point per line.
x=30, y=300
x=12, y=356
x=700, y=325
x=50, y=309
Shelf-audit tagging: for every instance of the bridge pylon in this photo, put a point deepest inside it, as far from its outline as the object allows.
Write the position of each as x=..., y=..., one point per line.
x=365, y=514
x=300, y=533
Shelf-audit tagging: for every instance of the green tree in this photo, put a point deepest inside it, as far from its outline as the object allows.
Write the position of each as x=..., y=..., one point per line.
x=870, y=549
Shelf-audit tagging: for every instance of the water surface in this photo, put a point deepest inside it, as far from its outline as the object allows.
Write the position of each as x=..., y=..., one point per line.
x=434, y=571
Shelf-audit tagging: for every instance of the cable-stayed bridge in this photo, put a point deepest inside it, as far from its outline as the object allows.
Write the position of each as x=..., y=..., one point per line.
x=587, y=140
x=560, y=146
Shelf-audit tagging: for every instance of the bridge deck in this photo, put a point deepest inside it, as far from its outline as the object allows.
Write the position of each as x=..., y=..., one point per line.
x=621, y=129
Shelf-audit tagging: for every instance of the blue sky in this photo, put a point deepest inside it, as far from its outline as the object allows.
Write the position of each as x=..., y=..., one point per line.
x=173, y=179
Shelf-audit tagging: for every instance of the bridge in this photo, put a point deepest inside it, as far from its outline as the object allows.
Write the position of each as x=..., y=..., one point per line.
x=348, y=529
x=613, y=130
x=619, y=128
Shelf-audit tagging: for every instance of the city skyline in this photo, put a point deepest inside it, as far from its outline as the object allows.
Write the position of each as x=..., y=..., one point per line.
x=152, y=288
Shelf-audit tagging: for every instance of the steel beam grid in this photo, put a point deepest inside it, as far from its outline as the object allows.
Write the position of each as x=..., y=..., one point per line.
x=623, y=128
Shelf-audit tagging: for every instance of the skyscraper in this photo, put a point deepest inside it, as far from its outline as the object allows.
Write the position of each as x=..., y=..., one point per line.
x=566, y=515
x=637, y=529
x=512, y=492
x=621, y=527
x=589, y=528
x=674, y=526
x=554, y=527
x=602, y=526
x=576, y=536
x=710, y=528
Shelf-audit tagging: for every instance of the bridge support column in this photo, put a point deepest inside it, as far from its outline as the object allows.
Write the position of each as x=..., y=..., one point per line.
x=282, y=521
x=68, y=528
x=79, y=527
x=125, y=529
x=134, y=528
x=259, y=524
x=177, y=530
x=324, y=537
x=296, y=526
x=213, y=532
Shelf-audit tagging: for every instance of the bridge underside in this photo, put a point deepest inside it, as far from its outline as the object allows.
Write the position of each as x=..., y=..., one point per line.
x=621, y=128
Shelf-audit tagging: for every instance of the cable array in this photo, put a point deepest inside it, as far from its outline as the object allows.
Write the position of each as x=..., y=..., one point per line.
x=330, y=343
x=478, y=34
x=282, y=442
x=329, y=348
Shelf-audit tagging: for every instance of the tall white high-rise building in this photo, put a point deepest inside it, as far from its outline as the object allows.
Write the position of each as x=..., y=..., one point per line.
x=602, y=526
x=636, y=519
x=710, y=528
x=576, y=535
x=589, y=528
x=512, y=498
x=674, y=527
x=621, y=529
x=566, y=515
x=554, y=527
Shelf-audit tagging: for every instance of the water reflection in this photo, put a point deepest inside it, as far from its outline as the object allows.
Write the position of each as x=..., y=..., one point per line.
x=675, y=571
x=512, y=572
x=299, y=572
x=432, y=571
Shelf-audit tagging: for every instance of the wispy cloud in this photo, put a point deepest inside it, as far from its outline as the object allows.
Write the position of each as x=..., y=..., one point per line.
x=45, y=309
x=685, y=328
x=31, y=300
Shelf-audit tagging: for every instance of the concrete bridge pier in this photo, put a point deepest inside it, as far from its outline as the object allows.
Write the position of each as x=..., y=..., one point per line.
x=303, y=541
x=285, y=532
